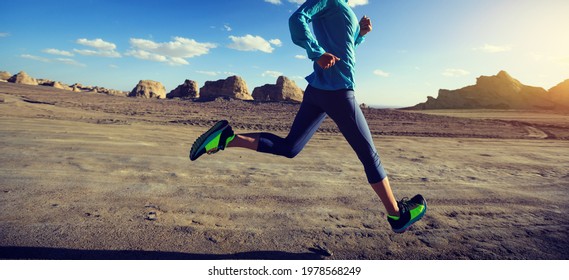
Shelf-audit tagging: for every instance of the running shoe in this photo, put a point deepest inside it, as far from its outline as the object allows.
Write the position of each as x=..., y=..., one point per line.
x=410, y=211
x=214, y=140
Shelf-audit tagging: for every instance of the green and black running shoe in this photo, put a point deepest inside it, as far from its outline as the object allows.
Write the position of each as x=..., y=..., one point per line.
x=410, y=211
x=214, y=140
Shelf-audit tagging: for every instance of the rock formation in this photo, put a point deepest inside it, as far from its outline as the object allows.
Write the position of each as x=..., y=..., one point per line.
x=5, y=75
x=491, y=92
x=23, y=78
x=284, y=90
x=148, y=89
x=232, y=87
x=187, y=90
x=53, y=84
x=115, y=92
x=81, y=88
x=560, y=93
x=76, y=88
x=60, y=85
x=104, y=91
x=44, y=82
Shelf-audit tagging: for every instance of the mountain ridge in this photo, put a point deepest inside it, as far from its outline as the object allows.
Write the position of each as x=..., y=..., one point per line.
x=500, y=91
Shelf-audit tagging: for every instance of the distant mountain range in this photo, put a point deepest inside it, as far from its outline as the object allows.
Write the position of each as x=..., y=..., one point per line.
x=499, y=92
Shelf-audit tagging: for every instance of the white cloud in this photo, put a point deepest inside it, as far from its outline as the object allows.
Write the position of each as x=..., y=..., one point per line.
x=207, y=73
x=33, y=57
x=177, y=61
x=276, y=42
x=145, y=55
x=354, y=3
x=487, y=48
x=97, y=44
x=174, y=52
x=251, y=43
x=215, y=73
x=274, y=74
x=299, y=2
x=180, y=47
x=102, y=48
x=4, y=34
x=225, y=27
x=143, y=43
x=103, y=53
x=58, y=52
x=276, y=2
x=381, y=73
x=450, y=72
x=67, y=61
x=299, y=56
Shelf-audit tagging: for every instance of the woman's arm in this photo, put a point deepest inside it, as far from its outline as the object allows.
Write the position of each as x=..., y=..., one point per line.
x=300, y=30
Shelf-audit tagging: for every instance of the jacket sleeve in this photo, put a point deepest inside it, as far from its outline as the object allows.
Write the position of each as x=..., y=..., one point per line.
x=359, y=40
x=300, y=29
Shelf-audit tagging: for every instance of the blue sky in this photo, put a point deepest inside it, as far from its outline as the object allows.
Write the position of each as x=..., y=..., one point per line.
x=416, y=48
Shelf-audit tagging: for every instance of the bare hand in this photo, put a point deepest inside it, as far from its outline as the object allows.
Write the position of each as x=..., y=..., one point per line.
x=365, y=26
x=327, y=60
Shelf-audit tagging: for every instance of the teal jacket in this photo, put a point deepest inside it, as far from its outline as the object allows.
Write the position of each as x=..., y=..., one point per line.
x=337, y=31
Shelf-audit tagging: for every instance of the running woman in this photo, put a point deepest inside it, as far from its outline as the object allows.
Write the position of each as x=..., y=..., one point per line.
x=330, y=91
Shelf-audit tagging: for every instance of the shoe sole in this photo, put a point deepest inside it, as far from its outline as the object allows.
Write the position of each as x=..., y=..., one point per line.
x=411, y=222
x=198, y=148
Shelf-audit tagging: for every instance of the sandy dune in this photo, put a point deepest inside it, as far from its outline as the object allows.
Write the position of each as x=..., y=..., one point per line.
x=100, y=177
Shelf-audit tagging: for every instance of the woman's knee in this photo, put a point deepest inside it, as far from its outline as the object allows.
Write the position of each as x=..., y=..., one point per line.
x=290, y=152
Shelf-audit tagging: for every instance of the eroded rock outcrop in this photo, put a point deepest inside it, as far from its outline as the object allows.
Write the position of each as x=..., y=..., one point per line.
x=23, y=78
x=187, y=90
x=284, y=90
x=5, y=75
x=491, y=92
x=560, y=93
x=53, y=84
x=148, y=89
x=232, y=87
x=107, y=91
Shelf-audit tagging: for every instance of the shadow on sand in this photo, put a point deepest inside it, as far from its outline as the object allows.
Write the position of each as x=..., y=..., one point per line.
x=44, y=253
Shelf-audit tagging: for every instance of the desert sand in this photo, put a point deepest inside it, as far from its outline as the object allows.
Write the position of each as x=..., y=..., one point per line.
x=89, y=176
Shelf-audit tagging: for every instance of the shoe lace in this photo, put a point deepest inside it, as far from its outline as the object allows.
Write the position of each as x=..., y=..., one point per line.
x=404, y=205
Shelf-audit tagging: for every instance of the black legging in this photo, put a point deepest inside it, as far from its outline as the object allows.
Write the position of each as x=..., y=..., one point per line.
x=342, y=107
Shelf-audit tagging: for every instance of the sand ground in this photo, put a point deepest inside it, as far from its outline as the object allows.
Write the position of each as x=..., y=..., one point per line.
x=98, y=177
